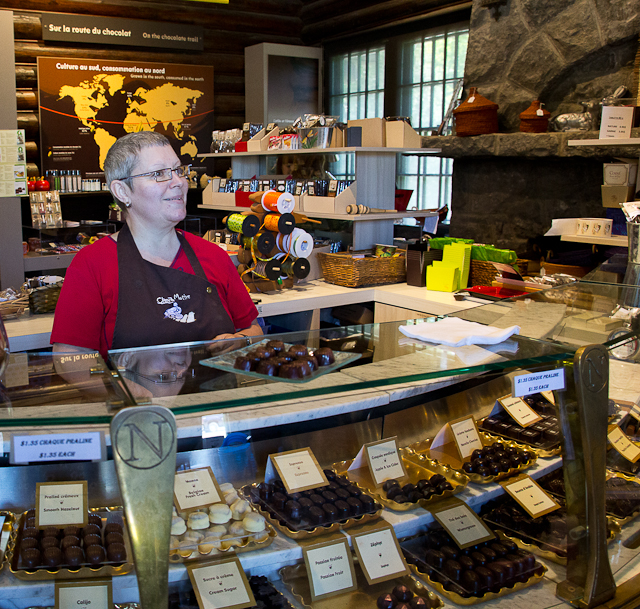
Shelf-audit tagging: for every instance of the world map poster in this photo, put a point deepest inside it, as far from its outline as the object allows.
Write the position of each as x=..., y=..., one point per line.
x=86, y=104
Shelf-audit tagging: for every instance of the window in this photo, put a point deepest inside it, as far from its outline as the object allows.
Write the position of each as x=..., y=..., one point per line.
x=420, y=81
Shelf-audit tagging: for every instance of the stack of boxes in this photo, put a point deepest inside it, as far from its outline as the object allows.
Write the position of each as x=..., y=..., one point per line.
x=452, y=272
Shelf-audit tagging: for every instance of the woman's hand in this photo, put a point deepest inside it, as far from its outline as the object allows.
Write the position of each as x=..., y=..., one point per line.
x=230, y=345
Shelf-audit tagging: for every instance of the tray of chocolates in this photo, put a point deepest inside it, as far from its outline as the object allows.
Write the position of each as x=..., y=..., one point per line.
x=476, y=574
x=400, y=593
x=100, y=549
x=622, y=493
x=7, y=536
x=425, y=484
x=232, y=525
x=276, y=360
x=545, y=536
x=543, y=436
x=495, y=461
x=326, y=509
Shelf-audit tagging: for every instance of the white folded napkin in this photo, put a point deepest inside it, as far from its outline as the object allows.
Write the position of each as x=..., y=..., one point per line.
x=456, y=332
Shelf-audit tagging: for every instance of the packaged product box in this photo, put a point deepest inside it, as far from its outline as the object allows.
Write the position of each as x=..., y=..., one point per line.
x=623, y=172
x=260, y=141
x=401, y=135
x=373, y=131
x=615, y=196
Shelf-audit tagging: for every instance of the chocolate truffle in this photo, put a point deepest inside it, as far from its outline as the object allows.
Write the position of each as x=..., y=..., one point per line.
x=113, y=538
x=116, y=552
x=74, y=531
x=92, y=540
x=30, y=522
x=265, y=491
x=276, y=345
x=453, y=570
x=268, y=367
x=367, y=502
x=51, y=532
x=73, y=556
x=343, y=509
x=49, y=542
x=68, y=541
x=94, y=519
x=293, y=509
x=331, y=511
x=355, y=506
x=402, y=593
x=52, y=557
x=95, y=555
x=264, y=352
x=385, y=601
x=278, y=500
x=329, y=496
x=298, y=350
x=311, y=360
x=316, y=515
x=91, y=529
x=30, y=557
x=470, y=581
x=29, y=542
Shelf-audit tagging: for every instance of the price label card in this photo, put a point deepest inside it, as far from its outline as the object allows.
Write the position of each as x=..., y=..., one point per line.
x=531, y=496
x=379, y=555
x=537, y=382
x=88, y=446
x=195, y=488
x=221, y=584
x=621, y=442
x=61, y=504
x=330, y=569
x=383, y=459
x=462, y=523
x=465, y=435
x=94, y=594
x=298, y=469
x=616, y=122
x=519, y=411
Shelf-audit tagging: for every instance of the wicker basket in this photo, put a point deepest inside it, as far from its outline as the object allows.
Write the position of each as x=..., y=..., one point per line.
x=534, y=119
x=476, y=115
x=14, y=307
x=345, y=270
x=484, y=273
x=44, y=299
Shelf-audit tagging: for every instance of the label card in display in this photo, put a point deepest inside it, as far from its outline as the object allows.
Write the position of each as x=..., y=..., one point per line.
x=531, y=496
x=298, y=469
x=548, y=395
x=94, y=594
x=519, y=411
x=455, y=442
x=61, y=504
x=195, y=488
x=621, y=442
x=462, y=523
x=537, y=382
x=616, y=122
x=329, y=568
x=383, y=459
x=634, y=411
x=87, y=446
x=379, y=555
x=221, y=585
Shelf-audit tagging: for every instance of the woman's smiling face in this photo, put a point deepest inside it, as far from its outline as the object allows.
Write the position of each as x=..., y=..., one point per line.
x=158, y=203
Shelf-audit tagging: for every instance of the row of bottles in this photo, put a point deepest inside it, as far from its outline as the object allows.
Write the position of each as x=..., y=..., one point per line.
x=64, y=181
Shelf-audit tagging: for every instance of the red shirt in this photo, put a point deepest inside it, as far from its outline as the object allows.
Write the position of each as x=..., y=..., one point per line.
x=86, y=311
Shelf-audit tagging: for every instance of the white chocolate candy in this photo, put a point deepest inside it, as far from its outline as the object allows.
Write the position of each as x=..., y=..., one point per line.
x=219, y=513
x=209, y=544
x=260, y=537
x=185, y=548
x=178, y=526
x=198, y=520
x=240, y=509
x=173, y=545
x=227, y=487
x=231, y=498
x=227, y=542
x=216, y=531
x=194, y=536
x=236, y=529
x=254, y=523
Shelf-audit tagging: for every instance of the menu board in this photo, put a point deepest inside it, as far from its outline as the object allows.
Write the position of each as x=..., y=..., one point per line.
x=13, y=166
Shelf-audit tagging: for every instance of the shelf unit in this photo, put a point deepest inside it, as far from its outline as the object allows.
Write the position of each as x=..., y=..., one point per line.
x=619, y=240
x=607, y=141
x=375, y=178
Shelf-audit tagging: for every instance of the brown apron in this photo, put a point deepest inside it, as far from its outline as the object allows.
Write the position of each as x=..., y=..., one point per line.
x=158, y=305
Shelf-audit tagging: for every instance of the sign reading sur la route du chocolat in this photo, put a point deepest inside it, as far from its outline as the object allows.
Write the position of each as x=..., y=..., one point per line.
x=109, y=30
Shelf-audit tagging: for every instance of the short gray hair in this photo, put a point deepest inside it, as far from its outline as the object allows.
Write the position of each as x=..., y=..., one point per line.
x=121, y=157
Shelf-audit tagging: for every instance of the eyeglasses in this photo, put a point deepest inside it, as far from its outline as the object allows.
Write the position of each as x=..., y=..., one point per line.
x=164, y=175
x=170, y=376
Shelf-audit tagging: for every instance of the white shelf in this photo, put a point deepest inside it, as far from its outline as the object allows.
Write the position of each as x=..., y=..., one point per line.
x=38, y=262
x=630, y=141
x=209, y=155
x=619, y=240
x=352, y=217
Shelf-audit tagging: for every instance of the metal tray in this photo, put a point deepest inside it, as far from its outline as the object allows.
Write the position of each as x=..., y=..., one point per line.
x=540, y=452
x=416, y=472
x=418, y=453
x=308, y=533
x=296, y=580
x=83, y=572
x=9, y=530
x=226, y=361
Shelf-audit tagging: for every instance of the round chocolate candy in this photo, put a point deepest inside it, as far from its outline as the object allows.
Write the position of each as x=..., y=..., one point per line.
x=329, y=474
x=293, y=510
x=316, y=515
x=453, y=570
x=73, y=531
x=479, y=558
x=343, y=481
x=243, y=363
x=354, y=491
x=499, y=572
x=415, y=496
x=91, y=529
x=355, y=506
x=278, y=500
x=73, y=556
x=311, y=360
x=276, y=345
x=402, y=593
x=49, y=542
x=52, y=557
x=367, y=502
x=487, y=578
x=95, y=555
x=489, y=553
x=484, y=472
x=298, y=350
x=268, y=367
x=96, y=519
x=470, y=581
x=116, y=552
x=401, y=498
x=325, y=356
x=408, y=488
x=29, y=542
x=68, y=541
x=444, y=487
x=51, y=532
x=342, y=493
x=422, y=484
x=30, y=557
x=495, y=468
x=30, y=522
x=450, y=553
x=343, y=509
x=92, y=540
x=317, y=499
x=305, y=504
x=264, y=352
x=386, y=601
x=329, y=496
x=437, y=479
x=393, y=492
x=387, y=484
x=113, y=538
x=403, y=606
x=419, y=602
x=428, y=492
x=467, y=467
x=265, y=491
x=434, y=558
x=466, y=562
x=331, y=511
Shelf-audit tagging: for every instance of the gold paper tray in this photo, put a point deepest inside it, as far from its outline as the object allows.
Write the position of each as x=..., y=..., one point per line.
x=7, y=526
x=416, y=472
x=417, y=452
x=296, y=580
x=316, y=531
x=84, y=572
x=540, y=452
x=246, y=545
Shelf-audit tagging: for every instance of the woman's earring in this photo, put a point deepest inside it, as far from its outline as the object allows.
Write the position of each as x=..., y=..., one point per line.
x=127, y=205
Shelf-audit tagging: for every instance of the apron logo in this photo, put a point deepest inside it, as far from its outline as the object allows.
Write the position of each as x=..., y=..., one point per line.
x=175, y=312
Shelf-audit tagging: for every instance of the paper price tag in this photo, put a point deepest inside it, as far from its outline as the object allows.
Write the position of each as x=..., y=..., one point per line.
x=531, y=496
x=465, y=435
x=537, y=382
x=519, y=411
x=221, y=584
x=330, y=569
x=95, y=594
x=298, y=469
x=61, y=504
x=195, y=488
x=616, y=122
x=383, y=459
x=379, y=555
x=89, y=446
x=462, y=523
x=620, y=441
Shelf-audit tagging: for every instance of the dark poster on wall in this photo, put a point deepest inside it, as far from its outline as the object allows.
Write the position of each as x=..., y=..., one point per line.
x=86, y=104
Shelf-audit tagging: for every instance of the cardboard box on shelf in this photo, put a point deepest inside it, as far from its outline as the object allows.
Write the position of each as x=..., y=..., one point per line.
x=329, y=205
x=615, y=196
x=373, y=131
x=260, y=141
x=401, y=135
x=623, y=172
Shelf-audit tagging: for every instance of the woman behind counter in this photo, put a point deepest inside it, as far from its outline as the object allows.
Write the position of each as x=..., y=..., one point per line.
x=150, y=284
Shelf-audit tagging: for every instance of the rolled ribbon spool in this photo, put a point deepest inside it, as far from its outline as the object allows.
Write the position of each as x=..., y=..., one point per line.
x=299, y=243
x=282, y=202
x=280, y=223
x=263, y=242
x=271, y=269
x=247, y=225
x=298, y=268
